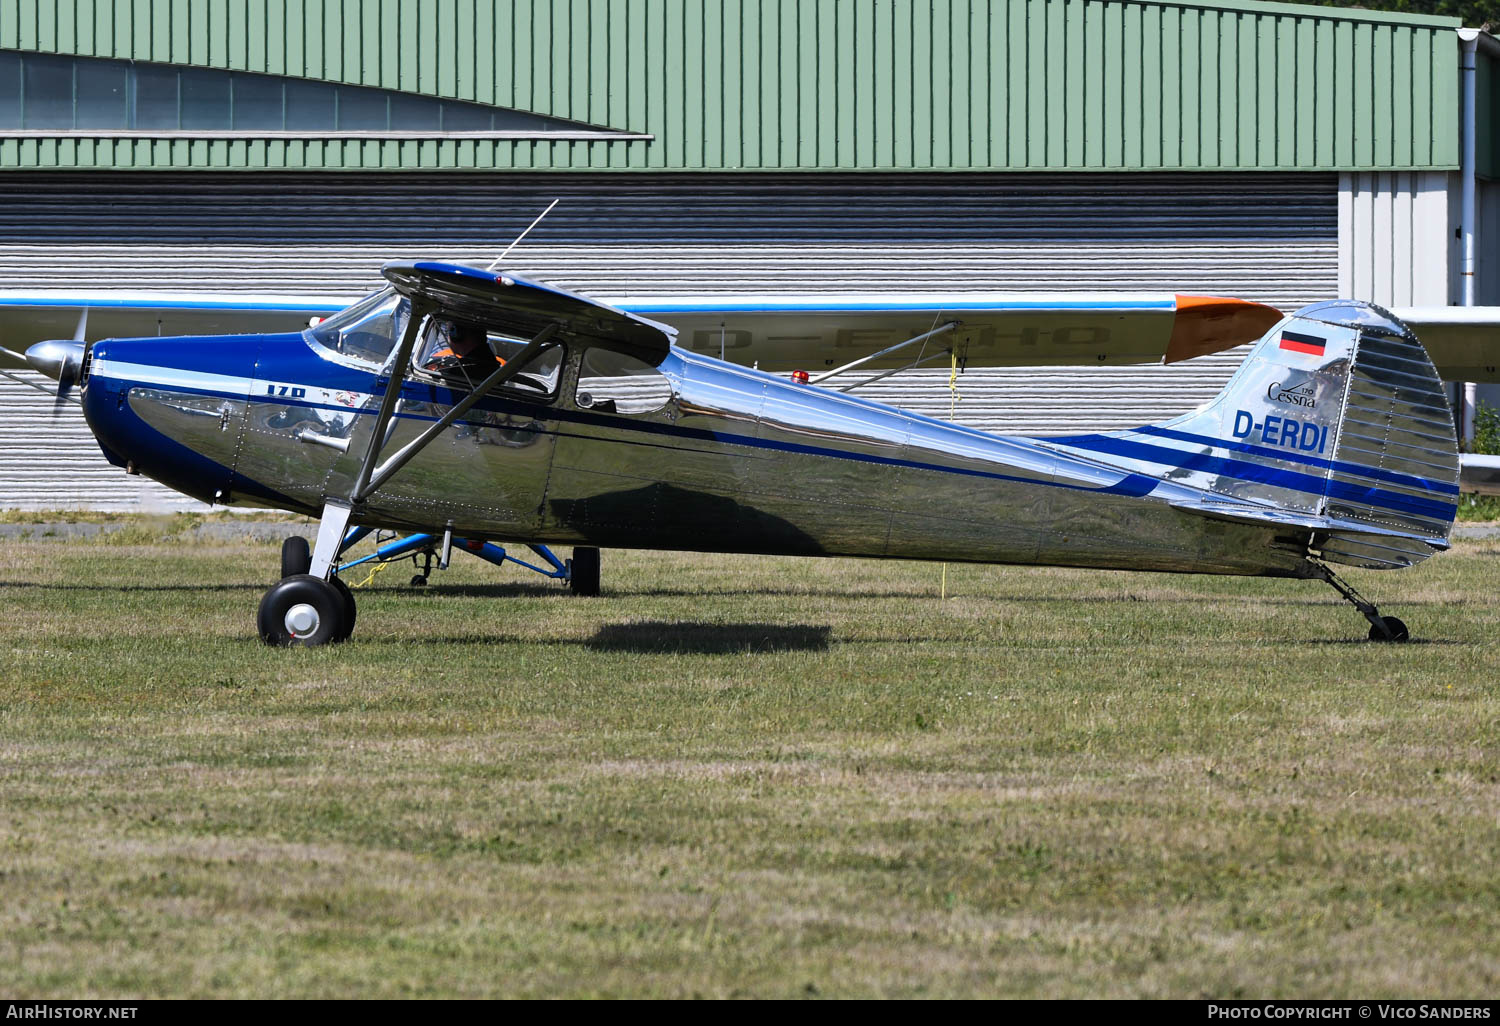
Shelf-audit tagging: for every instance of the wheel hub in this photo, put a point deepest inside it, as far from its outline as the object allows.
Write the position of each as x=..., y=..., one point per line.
x=301, y=620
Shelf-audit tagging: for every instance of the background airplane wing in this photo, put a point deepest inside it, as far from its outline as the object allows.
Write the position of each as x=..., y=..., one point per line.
x=814, y=332
x=1462, y=341
x=780, y=333
x=33, y=317
x=1479, y=473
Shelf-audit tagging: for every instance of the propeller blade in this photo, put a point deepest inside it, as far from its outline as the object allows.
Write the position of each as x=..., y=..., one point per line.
x=64, y=393
x=68, y=375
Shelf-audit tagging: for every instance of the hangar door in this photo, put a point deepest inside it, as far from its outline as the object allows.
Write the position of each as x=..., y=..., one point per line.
x=1268, y=237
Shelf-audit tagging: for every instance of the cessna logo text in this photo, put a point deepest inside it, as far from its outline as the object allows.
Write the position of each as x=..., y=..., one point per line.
x=1294, y=395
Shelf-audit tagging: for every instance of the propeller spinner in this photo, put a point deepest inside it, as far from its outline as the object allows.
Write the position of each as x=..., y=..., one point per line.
x=58, y=359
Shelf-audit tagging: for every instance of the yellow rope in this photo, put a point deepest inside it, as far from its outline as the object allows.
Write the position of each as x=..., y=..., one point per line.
x=379, y=568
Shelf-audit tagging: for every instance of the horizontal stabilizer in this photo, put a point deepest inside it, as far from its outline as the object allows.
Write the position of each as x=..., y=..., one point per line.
x=1249, y=513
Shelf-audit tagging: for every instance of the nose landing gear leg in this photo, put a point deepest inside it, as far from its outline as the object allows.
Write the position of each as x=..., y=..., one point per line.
x=313, y=607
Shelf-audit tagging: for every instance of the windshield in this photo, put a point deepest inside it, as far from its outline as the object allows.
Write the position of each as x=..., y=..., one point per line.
x=368, y=330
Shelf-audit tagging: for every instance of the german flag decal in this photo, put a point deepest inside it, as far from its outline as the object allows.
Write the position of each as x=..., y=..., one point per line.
x=1310, y=344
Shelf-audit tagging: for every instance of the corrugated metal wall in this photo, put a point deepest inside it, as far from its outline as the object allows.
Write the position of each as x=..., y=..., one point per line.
x=808, y=84
x=1396, y=243
x=1267, y=237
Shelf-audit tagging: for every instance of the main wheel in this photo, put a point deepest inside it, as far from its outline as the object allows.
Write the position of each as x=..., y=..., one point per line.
x=296, y=557
x=1396, y=627
x=301, y=611
x=584, y=576
x=350, y=611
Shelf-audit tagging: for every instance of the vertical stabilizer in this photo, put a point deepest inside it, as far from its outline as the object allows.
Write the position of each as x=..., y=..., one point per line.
x=1340, y=414
x=1336, y=422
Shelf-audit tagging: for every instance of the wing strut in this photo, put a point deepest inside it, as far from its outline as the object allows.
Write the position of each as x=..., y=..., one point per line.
x=503, y=373
x=944, y=329
x=373, y=474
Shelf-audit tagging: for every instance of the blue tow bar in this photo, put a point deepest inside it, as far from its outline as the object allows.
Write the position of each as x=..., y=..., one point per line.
x=555, y=568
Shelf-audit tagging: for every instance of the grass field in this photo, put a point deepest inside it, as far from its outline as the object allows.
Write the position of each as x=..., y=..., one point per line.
x=745, y=776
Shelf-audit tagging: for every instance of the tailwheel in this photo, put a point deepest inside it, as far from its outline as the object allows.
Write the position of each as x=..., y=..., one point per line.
x=1382, y=628
x=296, y=556
x=304, y=611
x=583, y=571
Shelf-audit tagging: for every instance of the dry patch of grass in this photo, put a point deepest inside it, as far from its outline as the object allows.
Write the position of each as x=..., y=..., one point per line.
x=751, y=776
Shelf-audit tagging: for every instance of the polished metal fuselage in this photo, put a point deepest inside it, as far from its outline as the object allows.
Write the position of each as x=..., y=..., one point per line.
x=737, y=461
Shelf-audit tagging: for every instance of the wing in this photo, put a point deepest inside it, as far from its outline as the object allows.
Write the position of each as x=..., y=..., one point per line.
x=32, y=317
x=1478, y=473
x=813, y=332
x=522, y=308
x=1462, y=341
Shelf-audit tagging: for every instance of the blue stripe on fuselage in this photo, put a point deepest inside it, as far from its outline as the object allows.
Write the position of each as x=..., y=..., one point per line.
x=1243, y=470
x=1374, y=473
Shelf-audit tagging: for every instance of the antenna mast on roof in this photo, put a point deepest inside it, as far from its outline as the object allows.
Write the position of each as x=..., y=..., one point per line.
x=523, y=235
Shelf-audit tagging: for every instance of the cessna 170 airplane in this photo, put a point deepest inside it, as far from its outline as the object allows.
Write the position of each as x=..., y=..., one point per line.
x=481, y=405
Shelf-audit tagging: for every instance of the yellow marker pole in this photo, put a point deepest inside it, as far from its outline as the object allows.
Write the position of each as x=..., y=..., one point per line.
x=953, y=398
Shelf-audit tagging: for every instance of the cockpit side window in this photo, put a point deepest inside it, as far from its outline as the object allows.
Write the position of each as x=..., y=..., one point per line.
x=461, y=354
x=368, y=330
x=610, y=382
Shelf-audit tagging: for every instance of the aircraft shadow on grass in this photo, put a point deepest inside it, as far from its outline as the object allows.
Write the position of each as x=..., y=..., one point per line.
x=709, y=638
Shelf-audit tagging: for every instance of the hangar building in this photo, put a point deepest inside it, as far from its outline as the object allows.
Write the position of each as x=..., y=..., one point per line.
x=1277, y=152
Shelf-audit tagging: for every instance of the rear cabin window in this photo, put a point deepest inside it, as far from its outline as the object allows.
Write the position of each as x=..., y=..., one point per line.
x=614, y=383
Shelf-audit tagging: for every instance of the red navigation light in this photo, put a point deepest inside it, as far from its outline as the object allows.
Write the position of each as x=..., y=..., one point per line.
x=799, y=376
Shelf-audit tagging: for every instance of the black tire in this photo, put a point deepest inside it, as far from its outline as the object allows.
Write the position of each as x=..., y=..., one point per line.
x=296, y=557
x=1398, y=630
x=419, y=581
x=350, y=611
x=584, y=576
x=321, y=599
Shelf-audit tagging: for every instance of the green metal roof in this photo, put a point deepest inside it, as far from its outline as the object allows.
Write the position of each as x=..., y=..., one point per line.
x=838, y=85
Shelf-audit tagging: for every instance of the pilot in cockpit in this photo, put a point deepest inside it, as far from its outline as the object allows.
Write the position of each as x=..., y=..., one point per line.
x=461, y=349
